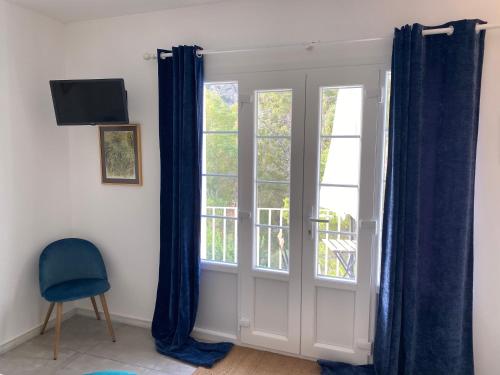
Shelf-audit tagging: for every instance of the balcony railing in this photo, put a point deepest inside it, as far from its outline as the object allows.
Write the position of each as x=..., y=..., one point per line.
x=337, y=246
x=336, y=253
x=275, y=247
x=218, y=244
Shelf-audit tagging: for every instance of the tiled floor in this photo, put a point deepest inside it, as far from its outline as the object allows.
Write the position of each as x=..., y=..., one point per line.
x=87, y=347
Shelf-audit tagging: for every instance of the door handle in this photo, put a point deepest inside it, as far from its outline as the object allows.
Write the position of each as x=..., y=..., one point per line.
x=316, y=220
x=244, y=215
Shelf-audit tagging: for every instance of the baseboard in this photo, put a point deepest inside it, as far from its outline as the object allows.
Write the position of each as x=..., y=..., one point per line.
x=125, y=319
x=33, y=332
x=198, y=333
x=210, y=335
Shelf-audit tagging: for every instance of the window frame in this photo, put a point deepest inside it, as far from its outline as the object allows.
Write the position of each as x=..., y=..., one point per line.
x=321, y=137
x=209, y=264
x=256, y=226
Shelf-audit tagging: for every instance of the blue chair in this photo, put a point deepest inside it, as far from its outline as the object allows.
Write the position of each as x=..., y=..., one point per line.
x=72, y=269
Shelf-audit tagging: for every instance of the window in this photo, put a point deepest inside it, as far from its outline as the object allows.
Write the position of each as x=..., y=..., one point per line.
x=219, y=224
x=338, y=188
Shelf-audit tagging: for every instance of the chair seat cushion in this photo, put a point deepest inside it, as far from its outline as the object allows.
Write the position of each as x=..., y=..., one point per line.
x=76, y=289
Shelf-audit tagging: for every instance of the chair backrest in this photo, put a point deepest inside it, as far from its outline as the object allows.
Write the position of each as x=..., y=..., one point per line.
x=70, y=259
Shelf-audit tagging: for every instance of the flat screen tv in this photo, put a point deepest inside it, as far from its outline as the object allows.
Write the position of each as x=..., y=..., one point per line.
x=90, y=101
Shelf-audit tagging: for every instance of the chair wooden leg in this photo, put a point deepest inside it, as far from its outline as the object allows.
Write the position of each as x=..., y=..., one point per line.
x=47, y=317
x=95, y=308
x=57, y=336
x=108, y=318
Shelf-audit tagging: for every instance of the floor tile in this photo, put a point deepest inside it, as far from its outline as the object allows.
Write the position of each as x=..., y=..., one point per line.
x=86, y=346
x=136, y=346
x=85, y=363
x=33, y=358
x=79, y=334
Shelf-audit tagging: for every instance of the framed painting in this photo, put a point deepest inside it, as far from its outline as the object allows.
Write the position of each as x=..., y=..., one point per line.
x=120, y=154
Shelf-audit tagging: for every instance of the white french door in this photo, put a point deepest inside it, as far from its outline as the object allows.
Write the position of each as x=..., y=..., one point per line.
x=340, y=212
x=307, y=202
x=271, y=174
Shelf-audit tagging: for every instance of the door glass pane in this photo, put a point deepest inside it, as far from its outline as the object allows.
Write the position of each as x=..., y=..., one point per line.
x=336, y=255
x=341, y=110
x=273, y=204
x=221, y=153
x=272, y=248
x=221, y=106
x=273, y=153
x=338, y=193
x=219, y=239
x=221, y=195
x=273, y=216
x=273, y=159
x=219, y=209
x=339, y=161
x=274, y=113
x=339, y=201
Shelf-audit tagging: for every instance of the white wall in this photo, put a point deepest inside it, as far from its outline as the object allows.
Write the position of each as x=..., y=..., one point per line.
x=34, y=182
x=124, y=221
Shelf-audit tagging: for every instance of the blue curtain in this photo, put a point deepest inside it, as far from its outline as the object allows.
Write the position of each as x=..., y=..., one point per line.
x=180, y=91
x=424, y=323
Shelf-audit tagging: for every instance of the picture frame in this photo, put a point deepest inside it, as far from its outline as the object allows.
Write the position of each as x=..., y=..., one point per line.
x=120, y=149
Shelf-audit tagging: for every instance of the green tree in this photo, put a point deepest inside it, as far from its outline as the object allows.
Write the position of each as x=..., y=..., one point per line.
x=221, y=150
x=274, y=118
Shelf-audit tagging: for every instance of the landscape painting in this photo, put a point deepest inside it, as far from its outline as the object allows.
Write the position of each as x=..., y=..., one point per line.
x=120, y=154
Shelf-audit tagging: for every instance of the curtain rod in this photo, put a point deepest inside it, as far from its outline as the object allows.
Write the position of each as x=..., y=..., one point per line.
x=449, y=30
x=310, y=45
x=307, y=45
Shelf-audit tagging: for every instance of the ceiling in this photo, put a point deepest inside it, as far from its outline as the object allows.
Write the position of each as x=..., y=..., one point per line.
x=78, y=10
